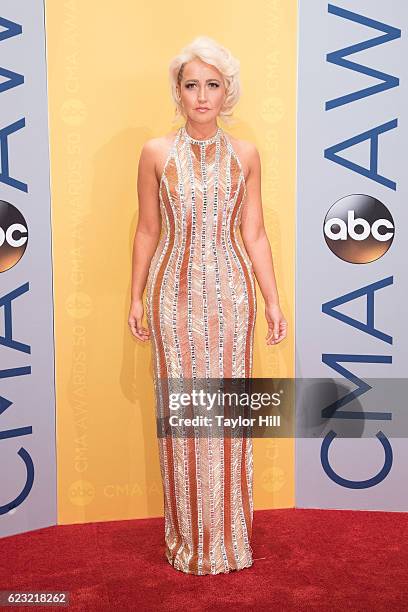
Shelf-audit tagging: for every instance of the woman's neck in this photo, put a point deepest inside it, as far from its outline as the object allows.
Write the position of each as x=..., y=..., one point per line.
x=201, y=132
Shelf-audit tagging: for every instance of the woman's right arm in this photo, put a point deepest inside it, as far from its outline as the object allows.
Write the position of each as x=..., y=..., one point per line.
x=146, y=236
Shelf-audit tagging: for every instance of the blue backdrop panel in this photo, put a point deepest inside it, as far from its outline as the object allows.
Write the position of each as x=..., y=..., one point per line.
x=351, y=281
x=27, y=396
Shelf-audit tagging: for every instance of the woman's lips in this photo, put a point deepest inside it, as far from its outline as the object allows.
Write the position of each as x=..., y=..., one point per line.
x=202, y=110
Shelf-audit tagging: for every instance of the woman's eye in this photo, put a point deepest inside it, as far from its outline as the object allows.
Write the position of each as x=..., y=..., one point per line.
x=212, y=85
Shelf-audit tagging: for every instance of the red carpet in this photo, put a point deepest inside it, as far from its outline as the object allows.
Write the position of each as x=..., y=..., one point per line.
x=304, y=560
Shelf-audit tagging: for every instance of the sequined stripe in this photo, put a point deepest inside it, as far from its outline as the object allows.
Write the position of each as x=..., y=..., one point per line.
x=250, y=473
x=237, y=259
x=217, y=271
x=185, y=275
x=191, y=477
x=244, y=483
x=244, y=451
x=212, y=505
x=237, y=514
x=203, y=503
x=203, y=258
x=177, y=308
x=207, y=353
x=235, y=487
x=245, y=526
x=178, y=444
x=168, y=527
x=223, y=501
x=163, y=370
x=180, y=261
x=191, y=442
x=204, y=184
x=239, y=370
x=252, y=297
x=244, y=474
x=245, y=490
x=190, y=262
x=236, y=519
x=229, y=453
x=191, y=466
x=218, y=477
x=201, y=456
x=228, y=491
x=226, y=451
x=200, y=506
x=206, y=556
x=247, y=448
x=158, y=383
x=185, y=295
x=179, y=372
x=225, y=225
x=252, y=293
x=184, y=478
x=156, y=265
x=247, y=286
x=164, y=320
x=152, y=288
x=196, y=561
x=254, y=303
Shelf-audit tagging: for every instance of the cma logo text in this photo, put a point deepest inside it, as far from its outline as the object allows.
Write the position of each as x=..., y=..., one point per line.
x=368, y=233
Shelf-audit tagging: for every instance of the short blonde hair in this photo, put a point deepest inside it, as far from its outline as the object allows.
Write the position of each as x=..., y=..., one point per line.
x=209, y=51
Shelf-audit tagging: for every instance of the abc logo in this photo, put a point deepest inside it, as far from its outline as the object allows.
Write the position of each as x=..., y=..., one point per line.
x=13, y=235
x=358, y=228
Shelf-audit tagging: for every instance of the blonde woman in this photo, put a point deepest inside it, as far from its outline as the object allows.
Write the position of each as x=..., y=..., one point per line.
x=199, y=244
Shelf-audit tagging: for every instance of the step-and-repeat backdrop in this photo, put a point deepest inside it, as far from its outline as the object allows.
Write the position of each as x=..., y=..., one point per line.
x=107, y=86
x=339, y=70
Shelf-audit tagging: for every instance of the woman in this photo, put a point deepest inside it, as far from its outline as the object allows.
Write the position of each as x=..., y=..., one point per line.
x=196, y=187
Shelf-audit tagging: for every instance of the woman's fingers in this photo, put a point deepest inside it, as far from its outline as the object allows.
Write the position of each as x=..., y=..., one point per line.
x=142, y=330
x=282, y=329
x=142, y=334
x=138, y=330
x=276, y=331
x=272, y=332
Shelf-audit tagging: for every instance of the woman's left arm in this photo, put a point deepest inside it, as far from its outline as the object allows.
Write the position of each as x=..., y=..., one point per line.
x=257, y=245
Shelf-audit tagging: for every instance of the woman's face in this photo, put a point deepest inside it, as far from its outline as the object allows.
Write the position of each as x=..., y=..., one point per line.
x=201, y=87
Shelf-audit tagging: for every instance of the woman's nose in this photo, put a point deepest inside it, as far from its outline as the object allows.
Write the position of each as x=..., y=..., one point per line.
x=201, y=94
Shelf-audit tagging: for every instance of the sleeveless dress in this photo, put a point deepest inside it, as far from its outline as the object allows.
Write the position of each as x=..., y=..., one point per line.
x=201, y=310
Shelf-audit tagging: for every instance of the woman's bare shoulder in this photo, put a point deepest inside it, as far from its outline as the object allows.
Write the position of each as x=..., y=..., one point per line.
x=158, y=149
x=245, y=147
x=160, y=143
x=246, y=152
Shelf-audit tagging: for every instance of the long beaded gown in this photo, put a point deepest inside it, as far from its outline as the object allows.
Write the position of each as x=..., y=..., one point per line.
x=201, y=310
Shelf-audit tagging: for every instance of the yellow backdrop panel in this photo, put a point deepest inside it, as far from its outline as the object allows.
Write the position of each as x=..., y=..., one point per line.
x=108, y=93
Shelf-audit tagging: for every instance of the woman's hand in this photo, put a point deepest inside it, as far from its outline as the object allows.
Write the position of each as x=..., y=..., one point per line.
x=277, y=325
x=135, y=321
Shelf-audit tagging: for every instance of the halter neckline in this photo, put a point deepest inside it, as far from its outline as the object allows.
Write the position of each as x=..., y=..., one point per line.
x=196, y=140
